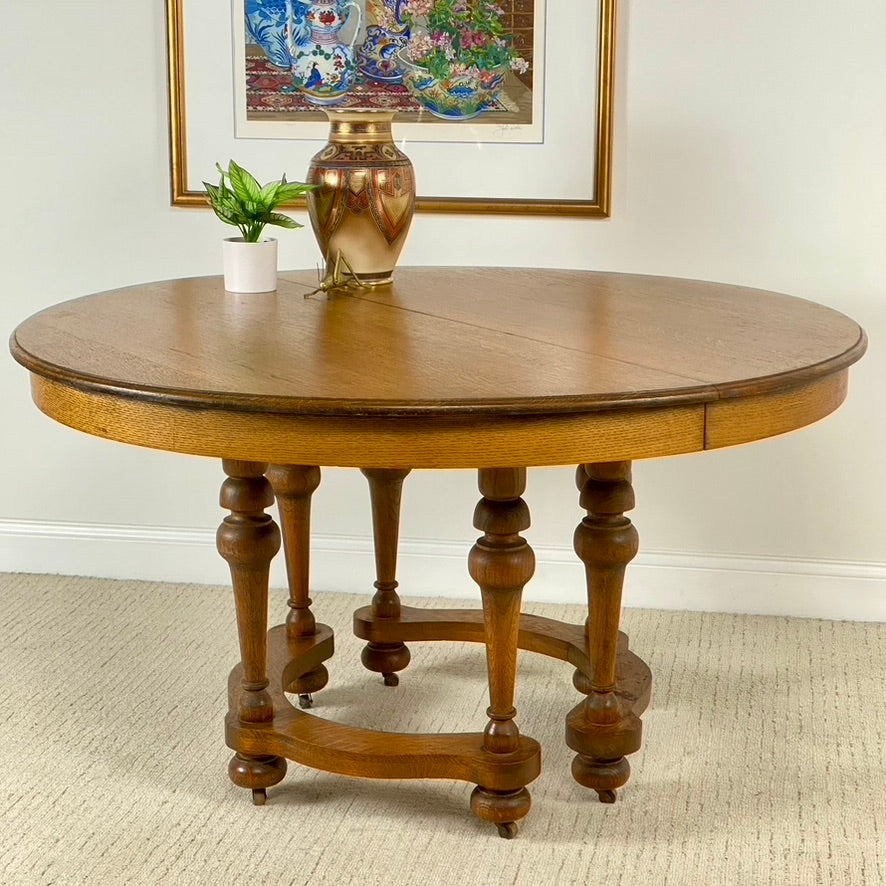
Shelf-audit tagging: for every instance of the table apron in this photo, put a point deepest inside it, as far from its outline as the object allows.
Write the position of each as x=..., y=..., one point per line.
x=438, y=441
x=730, y=422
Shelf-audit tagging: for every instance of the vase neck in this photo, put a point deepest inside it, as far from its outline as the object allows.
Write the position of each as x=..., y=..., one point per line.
x=351, y=127
x=326, y=36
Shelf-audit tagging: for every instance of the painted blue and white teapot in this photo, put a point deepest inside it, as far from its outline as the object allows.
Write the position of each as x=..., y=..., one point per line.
x=305, y=38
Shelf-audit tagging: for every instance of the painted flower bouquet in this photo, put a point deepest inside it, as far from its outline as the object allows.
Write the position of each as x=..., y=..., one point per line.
x=457, y=55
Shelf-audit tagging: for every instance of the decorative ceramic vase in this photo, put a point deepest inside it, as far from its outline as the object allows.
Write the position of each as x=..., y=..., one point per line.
x=323, y=65
x=266, y=25
x=461, y=97
x=249, y=267
x=386, y=35
x=364, y=204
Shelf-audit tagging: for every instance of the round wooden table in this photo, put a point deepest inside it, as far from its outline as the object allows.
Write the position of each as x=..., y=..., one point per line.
x=489, y=369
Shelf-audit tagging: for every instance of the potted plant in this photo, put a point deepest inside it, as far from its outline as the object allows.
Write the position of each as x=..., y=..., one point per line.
x=457, y=55
x=250, y=261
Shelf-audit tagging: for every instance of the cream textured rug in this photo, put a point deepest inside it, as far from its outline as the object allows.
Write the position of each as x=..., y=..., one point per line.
x=764, y=758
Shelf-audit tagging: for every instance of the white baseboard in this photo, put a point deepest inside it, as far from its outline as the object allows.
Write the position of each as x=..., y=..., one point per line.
x=657, y=580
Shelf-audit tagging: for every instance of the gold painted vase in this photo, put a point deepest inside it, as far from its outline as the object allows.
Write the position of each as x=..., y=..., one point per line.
x=364, y=204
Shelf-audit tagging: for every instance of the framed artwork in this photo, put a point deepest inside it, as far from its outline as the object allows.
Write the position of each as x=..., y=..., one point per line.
x=502, y=105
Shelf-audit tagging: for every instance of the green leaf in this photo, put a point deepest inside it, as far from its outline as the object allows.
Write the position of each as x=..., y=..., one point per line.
x=252, y=209
x=290, y=190
x=220, y=194
x=268, y=197
x=219, y=204
x=283, y=221
x=226, y=216
x=211, y=193
x=244, y=184
x=233, y=207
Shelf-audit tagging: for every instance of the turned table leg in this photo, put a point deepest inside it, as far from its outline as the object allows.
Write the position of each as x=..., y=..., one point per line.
x=385, y=487
x=501, y=562
x=606, y=541
x=293, y=487
x=248, y=539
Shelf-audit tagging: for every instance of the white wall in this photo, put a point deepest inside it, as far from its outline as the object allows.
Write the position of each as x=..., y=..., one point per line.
x=749, y=148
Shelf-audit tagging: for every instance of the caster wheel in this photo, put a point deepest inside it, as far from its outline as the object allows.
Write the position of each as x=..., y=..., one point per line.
x=259, y=796
x=305, y=700
x=391, y=679
x=606, y=796
x=507, y=830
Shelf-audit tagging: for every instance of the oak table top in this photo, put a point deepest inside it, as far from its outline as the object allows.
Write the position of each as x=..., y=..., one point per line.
x=448, y=367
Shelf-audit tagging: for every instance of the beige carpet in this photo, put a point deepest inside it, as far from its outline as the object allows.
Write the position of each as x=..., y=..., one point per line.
x=764, y=758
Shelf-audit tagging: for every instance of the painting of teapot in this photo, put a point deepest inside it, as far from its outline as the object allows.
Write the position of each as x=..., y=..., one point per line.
x=305, y=37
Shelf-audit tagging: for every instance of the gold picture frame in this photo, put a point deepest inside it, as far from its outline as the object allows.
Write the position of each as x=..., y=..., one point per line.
x=595, y=204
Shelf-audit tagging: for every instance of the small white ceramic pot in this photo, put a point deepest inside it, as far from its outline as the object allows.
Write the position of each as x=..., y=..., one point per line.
x=250, y=267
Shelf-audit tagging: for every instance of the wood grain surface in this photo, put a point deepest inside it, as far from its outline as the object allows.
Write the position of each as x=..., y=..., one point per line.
x=440, y=358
